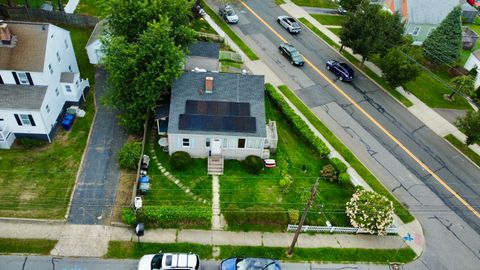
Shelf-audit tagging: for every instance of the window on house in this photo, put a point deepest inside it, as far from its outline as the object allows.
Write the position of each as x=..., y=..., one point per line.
x=27, y=120
x=70, y=68
x=57, y=92
x=66, y=43
x=76, y=83
x=241, y=143
x=1, y=80
x=58, y=57
x=186, y=142
x=416, y=30
x=47, y=108
x=23, y=78
x=50, y=68
x=207, y=142
x=68, y=88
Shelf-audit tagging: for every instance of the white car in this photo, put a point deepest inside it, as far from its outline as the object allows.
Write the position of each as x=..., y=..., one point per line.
x=290, y=24
x=228, y=14
x=169, y=261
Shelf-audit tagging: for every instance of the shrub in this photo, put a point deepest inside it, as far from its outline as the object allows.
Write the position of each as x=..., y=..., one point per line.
x=128, y=216
x=329, y=173
x=29, y=143
x=253, y=164
x=169, y=216
x=344, y=179
x=180, y=160
x=295, y=121
x=338, y=165
x=285, y=182
x=370, y=211
x=293, y=216
x=129, y=155
x=255, y=215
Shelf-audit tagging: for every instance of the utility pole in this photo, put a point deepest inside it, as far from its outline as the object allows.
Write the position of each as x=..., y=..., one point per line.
x=302, y=220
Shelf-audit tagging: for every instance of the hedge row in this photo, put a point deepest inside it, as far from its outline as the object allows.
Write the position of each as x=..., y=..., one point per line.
x=300, y=127
x=256, y=215
x=169, y=216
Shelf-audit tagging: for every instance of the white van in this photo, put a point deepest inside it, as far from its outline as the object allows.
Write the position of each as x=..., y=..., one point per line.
x=167, y=261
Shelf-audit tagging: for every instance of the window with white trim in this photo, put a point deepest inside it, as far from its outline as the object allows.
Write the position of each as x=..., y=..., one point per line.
x=50, y=68
x=57, y=92
x=66, y=43
x=47, y=108
x=207, y=142
x=186, y=142
x=70, y=68
x=58, y=57
x=25, y=120
x=416, y=30
x=22, y=77
x=77, y=83
x=68, y=88
x=241, y=143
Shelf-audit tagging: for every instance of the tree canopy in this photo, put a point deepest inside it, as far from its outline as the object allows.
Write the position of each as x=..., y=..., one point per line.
x=398, y=68
x=350, y=5
x=444, y=44
x=471, y=125
x=464, y=84
x=144, y=53
x=369, y=30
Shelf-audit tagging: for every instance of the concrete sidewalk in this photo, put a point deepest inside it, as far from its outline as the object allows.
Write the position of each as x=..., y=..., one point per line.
x=419, y=109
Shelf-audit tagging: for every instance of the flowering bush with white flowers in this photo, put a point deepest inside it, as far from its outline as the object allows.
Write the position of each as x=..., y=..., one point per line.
x=370, y=211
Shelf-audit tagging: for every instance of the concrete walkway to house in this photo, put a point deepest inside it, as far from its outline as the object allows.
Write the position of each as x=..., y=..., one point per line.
x=424, y=113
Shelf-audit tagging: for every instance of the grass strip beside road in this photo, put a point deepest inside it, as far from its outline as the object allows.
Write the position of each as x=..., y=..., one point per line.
x=352, y=59
x=248, y=52
x=329, y=19
x=27, y=246
x=371, y=180
x=315, y=3
x=463, y=148
x=124, y=250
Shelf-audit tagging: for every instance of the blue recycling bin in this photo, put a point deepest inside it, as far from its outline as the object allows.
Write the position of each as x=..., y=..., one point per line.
x=143, y=184
x=67, y=121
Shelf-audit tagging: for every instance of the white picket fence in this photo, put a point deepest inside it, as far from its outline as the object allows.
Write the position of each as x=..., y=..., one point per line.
x=333, y=229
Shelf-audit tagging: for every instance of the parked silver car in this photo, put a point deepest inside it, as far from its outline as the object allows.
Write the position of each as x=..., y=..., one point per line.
x=290, y=24
x=228, y=14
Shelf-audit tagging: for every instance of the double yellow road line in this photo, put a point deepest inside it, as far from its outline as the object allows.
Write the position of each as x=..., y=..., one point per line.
x=383, y=129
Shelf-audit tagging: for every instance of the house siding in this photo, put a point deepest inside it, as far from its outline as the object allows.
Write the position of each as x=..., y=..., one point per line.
x=230, y=150
x=422, y=33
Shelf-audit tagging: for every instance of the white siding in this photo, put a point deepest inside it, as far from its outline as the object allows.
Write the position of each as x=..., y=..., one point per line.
x=9, y=118
x=94, y=52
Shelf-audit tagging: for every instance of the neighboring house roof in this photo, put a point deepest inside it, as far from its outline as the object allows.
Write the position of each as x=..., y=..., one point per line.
x=28, y=97
x=29, y=51
x=205, y=49
x=429, y=11
x=97, y=32
x=162, y=110
x=227, y=87
x=67, y=77
x=468, y=7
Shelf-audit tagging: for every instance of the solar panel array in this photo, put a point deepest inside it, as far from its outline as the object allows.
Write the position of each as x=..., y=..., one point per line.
x=217, y=116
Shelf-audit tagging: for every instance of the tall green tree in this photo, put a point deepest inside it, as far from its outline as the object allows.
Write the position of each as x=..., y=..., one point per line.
x=141, y=73
x=444, y=44
x=471, y=125
x=398, y=68
x=463, y=84
x=369, y=30
x=129, y=18
x=350, y=5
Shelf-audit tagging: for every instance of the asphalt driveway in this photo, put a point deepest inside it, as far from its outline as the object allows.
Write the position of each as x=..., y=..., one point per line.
x=94, y=194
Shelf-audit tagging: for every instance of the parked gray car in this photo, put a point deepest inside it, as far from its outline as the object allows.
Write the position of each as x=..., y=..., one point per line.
x=228, y=14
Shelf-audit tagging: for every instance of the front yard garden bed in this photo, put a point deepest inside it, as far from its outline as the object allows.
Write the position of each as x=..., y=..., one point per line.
x=38, y=182
x=266, y=202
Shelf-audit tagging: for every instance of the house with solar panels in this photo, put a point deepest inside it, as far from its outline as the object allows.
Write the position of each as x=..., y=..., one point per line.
x=39, y=78
x=219, y=116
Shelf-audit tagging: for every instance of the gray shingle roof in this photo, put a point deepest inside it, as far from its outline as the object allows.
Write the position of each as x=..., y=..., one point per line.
x=29, y=97
x=429, y=11
x=205, y=49
x=227, y=87
x=29, y=51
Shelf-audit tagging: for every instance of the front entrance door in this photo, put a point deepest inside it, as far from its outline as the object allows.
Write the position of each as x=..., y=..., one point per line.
x=216, y=147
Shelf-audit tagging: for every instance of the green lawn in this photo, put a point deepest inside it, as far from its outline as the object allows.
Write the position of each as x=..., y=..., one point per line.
x=316, y=3
x=37, y=183
x=329, y=19
x=38, y=3
x=133, y=250
x=463, y=148
x=240, y=189
x=336, y=31
x=222, y=24
x=431, y=92
x=26, y=246
x=92, y=7
x=356, y=164
x=200, y=25
x=351, y=58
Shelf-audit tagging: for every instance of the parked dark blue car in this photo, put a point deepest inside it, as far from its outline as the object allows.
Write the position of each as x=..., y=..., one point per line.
x=342, y=70
x=250, y=264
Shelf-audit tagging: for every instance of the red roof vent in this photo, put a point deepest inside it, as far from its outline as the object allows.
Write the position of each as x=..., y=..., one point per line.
x=208, y=85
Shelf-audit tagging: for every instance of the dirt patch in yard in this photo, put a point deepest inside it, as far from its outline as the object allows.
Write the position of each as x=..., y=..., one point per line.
x=124, y=194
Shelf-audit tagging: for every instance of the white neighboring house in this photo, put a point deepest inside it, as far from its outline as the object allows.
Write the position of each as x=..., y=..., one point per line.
x=39, y=78
x=94, y=44
x=219, y=115
x=474, y=62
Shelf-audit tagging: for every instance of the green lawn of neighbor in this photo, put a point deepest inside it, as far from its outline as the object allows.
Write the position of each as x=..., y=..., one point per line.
x=315, y=3
x=26, y=246
x=38, y=3
x=329, y=19
x=37, y=183
x=241, y=189
x=336, y=31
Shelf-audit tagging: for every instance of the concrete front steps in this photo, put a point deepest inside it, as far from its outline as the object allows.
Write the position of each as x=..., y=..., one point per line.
x=215, y=165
